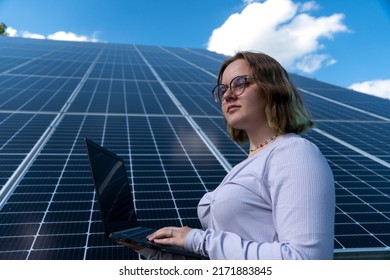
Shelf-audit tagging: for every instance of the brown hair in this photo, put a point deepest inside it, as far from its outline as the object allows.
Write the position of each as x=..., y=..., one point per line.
x=284, y=109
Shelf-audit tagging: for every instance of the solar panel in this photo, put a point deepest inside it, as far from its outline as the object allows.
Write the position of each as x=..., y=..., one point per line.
x=152, y=106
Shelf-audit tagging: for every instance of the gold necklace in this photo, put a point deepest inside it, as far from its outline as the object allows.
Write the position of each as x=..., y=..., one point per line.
x=264, y=143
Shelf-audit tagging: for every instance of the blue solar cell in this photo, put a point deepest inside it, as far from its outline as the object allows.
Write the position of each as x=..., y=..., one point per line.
x=63, y=228
x=18, y=229
x=359, y=241
x=16, y=243
x=365, y=102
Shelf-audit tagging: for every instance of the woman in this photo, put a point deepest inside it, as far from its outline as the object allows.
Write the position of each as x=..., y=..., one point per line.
x=279, y=202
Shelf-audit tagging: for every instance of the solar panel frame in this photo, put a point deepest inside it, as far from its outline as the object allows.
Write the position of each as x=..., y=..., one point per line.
x=153, y=106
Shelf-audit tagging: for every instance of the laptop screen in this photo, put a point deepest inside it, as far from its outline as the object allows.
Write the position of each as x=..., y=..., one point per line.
x=112, y=188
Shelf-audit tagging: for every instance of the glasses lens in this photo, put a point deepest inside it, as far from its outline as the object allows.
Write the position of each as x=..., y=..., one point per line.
x=238, y=84
x=218, y=92
x=237, y=87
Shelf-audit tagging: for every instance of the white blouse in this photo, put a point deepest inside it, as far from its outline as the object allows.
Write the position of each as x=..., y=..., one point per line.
x=277, y=204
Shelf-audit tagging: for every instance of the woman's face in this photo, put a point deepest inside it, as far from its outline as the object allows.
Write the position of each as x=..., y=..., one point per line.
x=245, y=111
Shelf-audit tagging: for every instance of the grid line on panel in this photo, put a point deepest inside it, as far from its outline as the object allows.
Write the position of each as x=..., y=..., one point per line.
x=28, y=156
x=187, y=155
x=8, y=63
x=216, y=59
x=215, y=128
x=355, y=193
x=64, y=191
x=28, y=62
x=37, y=94
x=366, y=102
x=164, y=171
x=372, y=137
x=12, y=182
x=172, y=159
x=191, y=96
x=323, y=111
x=360, y=151
x=203, y=136
x=351, y=199
x=345, y=105
x=190, y=63
x=55, y=192
x=52, y=68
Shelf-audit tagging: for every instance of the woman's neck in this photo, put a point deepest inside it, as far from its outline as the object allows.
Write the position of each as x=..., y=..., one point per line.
x=260, y=139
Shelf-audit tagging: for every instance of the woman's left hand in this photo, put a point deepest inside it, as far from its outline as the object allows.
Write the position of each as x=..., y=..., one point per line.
x=170, y=236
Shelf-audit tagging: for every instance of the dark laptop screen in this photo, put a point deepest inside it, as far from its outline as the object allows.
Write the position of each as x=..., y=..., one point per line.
x=112, y=188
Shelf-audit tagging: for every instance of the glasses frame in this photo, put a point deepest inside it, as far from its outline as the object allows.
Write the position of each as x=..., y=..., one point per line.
x=219, y=97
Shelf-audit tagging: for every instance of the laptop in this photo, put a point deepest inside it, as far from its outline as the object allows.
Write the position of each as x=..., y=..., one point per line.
x=115, y=198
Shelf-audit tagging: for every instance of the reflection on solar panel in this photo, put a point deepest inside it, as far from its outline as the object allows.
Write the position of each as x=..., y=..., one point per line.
x=152, y=105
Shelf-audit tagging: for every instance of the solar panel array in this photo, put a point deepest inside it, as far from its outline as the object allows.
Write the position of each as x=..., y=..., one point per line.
x=152, y=106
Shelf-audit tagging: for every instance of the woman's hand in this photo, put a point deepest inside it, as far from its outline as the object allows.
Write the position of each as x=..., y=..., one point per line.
x=170, y=236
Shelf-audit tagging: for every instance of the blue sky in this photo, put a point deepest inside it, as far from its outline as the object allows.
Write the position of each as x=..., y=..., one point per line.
x=342, y=42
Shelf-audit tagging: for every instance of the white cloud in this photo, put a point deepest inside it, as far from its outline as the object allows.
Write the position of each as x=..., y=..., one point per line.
x=282, y=29
x=11, y=31
x=247, y=2
x=26, y=34
x=309, y=6
x=70, y=36
x=379, y=88
x=60, y=35
x=311, y=62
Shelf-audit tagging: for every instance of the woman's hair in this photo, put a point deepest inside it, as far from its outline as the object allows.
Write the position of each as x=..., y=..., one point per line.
x=284, y=109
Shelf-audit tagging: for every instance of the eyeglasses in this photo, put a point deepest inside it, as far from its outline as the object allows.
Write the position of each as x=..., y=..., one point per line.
x=236, y=86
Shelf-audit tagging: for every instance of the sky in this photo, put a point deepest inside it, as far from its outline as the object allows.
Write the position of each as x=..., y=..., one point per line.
x=341, y=42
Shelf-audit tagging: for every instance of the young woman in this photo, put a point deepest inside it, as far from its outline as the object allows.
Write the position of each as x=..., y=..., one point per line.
x=278, y=203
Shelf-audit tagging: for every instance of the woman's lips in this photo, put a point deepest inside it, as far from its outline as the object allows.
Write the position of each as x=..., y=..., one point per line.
x=231, y=107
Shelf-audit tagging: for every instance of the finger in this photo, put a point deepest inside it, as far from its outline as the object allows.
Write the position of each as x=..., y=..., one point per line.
x=166, y=241
x=162, y=233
